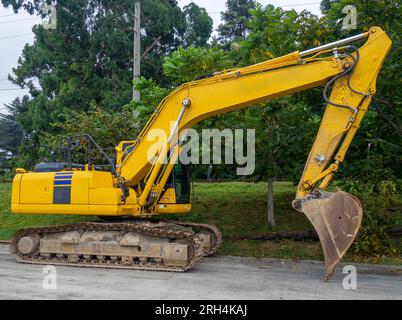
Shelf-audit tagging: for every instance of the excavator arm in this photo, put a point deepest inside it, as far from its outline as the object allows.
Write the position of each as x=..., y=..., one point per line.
x=352, y=72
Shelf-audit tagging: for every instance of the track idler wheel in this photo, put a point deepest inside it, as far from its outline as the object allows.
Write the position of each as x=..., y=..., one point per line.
x=336, y=218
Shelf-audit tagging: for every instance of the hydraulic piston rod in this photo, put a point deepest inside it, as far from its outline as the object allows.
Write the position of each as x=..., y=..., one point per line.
x=334, y=44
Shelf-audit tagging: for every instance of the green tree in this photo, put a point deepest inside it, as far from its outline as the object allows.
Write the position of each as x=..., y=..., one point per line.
x=284, y=131
x=381, y=131
x=151, y=95
x=199, y=25
x=275, y=32
x=106, y=128
x=326, y=4
x=285, y=127
x=87, y=60
x=373, y=162
x=235, y=19
x=11, y=135
x=185, y=65
x=11, y=132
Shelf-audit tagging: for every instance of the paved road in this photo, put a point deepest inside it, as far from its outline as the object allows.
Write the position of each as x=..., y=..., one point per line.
x=214, y=278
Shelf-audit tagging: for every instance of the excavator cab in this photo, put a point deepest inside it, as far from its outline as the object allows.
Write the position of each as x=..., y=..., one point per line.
x=123, y=149
x=179, y=180
x=176, y=195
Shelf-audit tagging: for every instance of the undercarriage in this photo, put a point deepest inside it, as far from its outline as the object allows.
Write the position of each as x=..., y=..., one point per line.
x=141, y=245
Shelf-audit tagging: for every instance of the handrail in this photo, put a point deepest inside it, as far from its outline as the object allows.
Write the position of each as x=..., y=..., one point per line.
x=91, y=140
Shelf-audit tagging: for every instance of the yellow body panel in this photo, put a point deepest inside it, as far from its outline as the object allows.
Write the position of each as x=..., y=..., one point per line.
x=15, y=191
x=108, y=196
x=99, y=179
x=173, y=208
x=36, y=188
x=80, y=182
x=90, y=210
x=168, y=197
x=92, y=193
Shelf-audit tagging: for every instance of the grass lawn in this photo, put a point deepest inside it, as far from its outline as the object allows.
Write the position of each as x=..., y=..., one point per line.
x=236, y=208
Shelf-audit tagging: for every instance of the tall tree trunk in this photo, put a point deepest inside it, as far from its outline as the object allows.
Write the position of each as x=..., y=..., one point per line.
x=270, y=202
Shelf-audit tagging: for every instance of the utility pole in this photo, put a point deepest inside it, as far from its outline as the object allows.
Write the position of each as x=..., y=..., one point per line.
x=137, y=48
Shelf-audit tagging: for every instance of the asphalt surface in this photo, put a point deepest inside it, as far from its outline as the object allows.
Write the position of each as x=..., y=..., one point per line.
x=215, y=278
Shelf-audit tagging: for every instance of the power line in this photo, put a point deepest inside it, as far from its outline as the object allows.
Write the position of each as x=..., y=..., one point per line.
x=14, y=14
x=20, y=20
x=300, y=4
x=11, y=89
x=17, y=36
x=282, y=6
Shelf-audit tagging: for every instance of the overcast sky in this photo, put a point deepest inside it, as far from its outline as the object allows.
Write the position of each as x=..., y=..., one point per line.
x=16, y=31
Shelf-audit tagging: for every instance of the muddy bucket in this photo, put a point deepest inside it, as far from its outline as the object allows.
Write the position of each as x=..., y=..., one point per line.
x=336, y=217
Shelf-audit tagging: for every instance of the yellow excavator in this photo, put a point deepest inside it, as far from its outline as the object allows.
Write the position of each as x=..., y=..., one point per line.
x=136, y=189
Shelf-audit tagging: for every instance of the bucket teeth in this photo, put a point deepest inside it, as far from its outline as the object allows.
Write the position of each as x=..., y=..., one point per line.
x=336, y=217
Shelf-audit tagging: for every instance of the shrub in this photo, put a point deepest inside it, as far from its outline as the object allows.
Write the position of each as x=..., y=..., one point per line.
x=376, y=188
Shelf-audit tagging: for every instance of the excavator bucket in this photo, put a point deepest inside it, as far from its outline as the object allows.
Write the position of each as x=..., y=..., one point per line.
x=336, y=218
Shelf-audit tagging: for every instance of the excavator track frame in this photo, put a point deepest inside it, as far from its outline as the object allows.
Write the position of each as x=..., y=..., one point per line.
x=213, y=230
x=154, y=230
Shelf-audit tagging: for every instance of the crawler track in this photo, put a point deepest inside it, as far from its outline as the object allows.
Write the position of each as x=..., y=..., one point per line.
x=213, y=230
x=158, y=230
